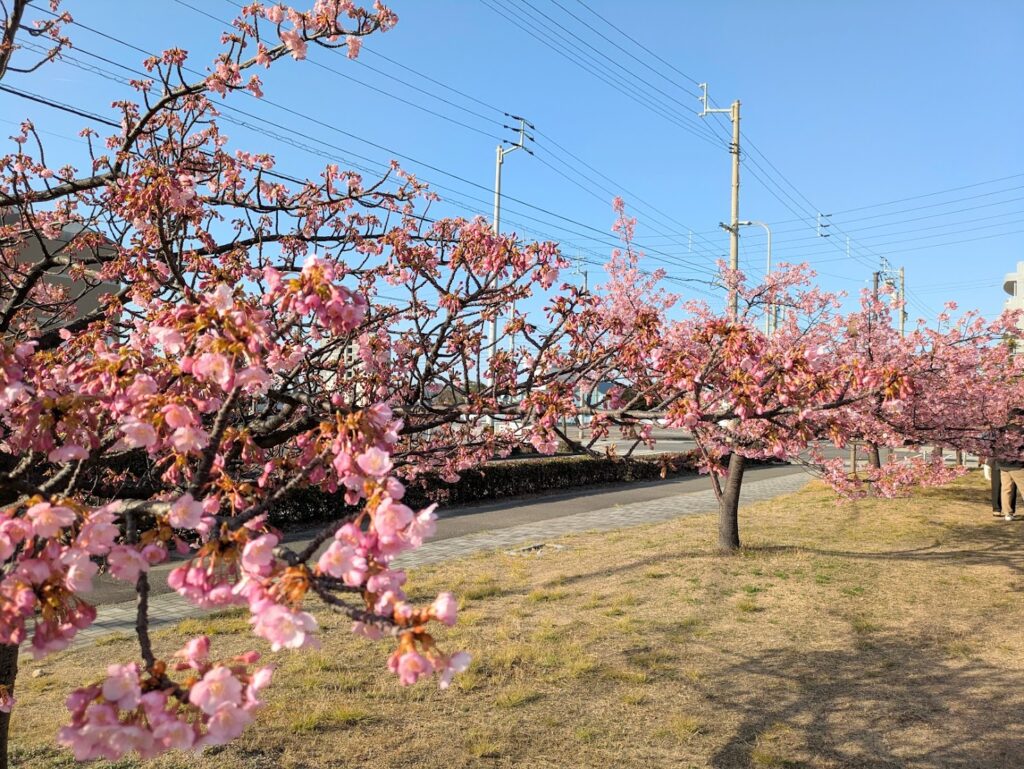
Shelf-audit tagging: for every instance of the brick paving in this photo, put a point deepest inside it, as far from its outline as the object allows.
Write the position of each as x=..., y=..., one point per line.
x=170, y=608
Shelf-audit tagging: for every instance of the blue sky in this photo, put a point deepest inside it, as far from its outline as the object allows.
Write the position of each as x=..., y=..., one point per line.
x=848, y=105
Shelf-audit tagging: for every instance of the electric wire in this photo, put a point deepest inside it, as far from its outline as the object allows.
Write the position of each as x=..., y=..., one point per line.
x=580, y=62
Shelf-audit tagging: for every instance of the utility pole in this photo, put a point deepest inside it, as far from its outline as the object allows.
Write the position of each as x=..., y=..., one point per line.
x=734, y=224
x=729, y=496
x=500, y=152
x=582, y=271
x=770, y=309
x=874, y=457
x=903, y=300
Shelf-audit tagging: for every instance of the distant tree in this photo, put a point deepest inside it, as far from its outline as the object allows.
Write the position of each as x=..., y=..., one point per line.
x=821, y=376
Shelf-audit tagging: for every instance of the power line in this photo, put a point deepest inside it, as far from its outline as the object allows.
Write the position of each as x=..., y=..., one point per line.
x=627, y=89
x=58, y=105
x=672, y=260
x=1003, y=216
x=932, y=194
x=897, y=222
x=712, y=251
x=686, y=230
x=288, y=138
x=939, y=245
x=607, y=58
x=276, y=174
x=805, y=240
x=638, y=44
x=667, y=258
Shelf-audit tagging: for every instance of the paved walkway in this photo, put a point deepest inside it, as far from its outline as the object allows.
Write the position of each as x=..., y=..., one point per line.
x=170, y=608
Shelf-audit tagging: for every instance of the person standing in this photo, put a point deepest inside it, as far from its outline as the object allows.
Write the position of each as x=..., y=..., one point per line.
x=1009, y=453
x=996, y=489
x=1011, y=476
x=1011, y=464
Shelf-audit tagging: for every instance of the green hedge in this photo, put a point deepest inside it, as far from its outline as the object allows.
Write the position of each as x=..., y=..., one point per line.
x=499, y=480
x=513, y=478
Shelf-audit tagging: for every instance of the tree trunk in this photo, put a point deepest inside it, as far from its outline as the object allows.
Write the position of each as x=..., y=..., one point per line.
x=8, y=673
x=874, y=457
x=729, y=507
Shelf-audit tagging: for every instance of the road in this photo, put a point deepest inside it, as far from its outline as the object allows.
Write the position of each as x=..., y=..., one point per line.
x=493, y=516
x=465, y=520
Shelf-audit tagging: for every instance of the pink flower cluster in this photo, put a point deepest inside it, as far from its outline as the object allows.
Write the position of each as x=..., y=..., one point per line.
x=137, y=711
x=316, y=291
x=47, y=568
x=243, y=567
x=892, y=479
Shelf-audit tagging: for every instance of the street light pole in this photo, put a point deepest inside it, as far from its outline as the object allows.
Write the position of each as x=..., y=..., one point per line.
x=769, y=319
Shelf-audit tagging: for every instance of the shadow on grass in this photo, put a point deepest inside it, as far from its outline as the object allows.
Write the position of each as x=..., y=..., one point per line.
x=893, y=702
x=986, y=542
x=998, y=544
x=958, y=493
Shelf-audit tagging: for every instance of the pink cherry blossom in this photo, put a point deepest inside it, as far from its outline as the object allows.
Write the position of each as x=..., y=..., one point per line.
x=217, y=688
x=121, y=687
x=227, y=723
x=80, y=570
x=196, y=651
x=69, y=452
x=258, y=553
x=253, y=379
x=294, y=42
x=343, y=562
x=138, y=433
x=284, y=628
x=173, y=734
x=244, y=341
x=374, y=462
x=170, y=339
x=444, y=609
x=177, y=416
x=186, y=512
x=457, y=663
x=213, y=367
x=188, y=438
x=126, y=563
x=221, y=298
x=411, y=667
x=391, y=517
x=48, y=519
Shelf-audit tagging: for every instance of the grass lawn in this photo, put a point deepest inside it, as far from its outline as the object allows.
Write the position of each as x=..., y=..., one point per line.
x=877, y=634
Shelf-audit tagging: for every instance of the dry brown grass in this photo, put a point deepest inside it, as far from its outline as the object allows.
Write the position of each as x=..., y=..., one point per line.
x=880, y=634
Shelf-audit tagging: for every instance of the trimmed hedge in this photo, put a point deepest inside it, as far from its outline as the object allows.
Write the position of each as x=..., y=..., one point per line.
x=499, y=480
x=513, y=478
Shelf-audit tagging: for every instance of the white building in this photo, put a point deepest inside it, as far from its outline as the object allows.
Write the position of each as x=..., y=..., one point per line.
x=1013, y=285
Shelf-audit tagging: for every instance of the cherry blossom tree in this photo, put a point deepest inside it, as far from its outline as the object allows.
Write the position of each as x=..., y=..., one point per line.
x=189, y=335
x=822, y=377
x=744, y=394
x=967, y=384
